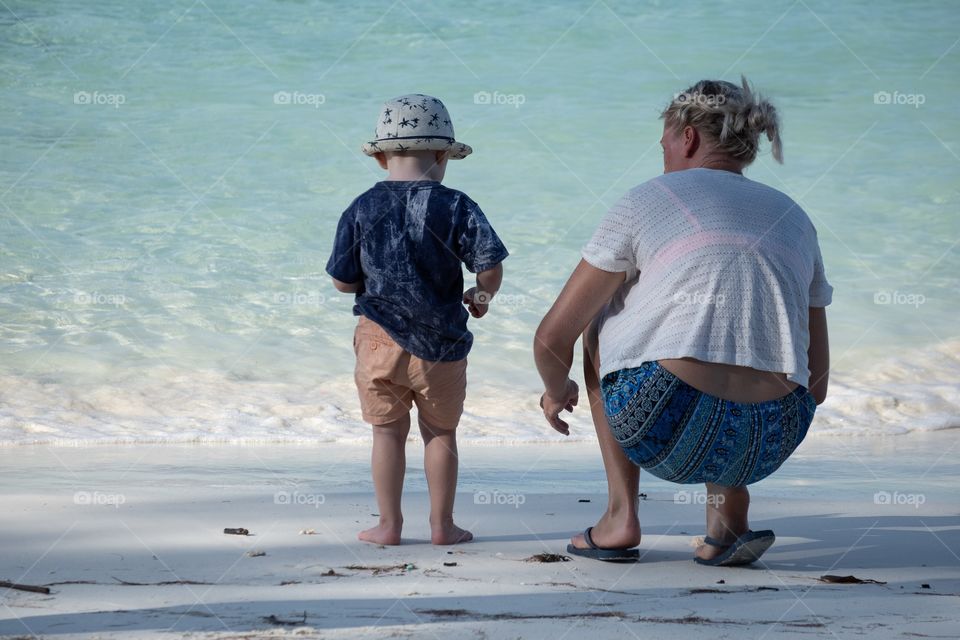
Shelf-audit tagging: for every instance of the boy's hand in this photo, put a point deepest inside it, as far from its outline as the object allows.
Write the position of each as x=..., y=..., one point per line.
x=478, y=302
x=552, y=406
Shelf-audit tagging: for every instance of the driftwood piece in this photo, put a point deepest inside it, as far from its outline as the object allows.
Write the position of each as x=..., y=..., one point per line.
x=24, y=587
x=239, y=531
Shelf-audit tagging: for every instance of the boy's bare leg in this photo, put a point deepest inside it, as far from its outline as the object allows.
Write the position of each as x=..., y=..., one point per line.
x=440, y=463
x=389, y=463
x=619, y=527
x=726, y=517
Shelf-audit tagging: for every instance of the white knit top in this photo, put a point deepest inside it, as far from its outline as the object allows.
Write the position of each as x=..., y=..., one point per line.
x=718, y=267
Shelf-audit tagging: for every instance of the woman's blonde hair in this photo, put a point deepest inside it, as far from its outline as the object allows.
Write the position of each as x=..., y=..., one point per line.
x=731, y=117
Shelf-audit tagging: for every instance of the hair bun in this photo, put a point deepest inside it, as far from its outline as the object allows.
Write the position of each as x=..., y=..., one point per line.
x=732, y=116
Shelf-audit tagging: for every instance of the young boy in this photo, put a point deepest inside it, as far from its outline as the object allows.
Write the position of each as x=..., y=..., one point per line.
x=399, y=247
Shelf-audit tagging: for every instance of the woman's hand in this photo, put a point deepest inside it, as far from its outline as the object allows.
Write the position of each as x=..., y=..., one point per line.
x=582, y=298
x=553, y=405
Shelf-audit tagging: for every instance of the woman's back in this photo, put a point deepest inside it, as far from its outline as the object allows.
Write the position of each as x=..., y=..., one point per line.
x=724, y=270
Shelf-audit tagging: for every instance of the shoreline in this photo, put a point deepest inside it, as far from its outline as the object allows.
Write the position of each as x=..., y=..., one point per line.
x=549, y=440
x=163, y=405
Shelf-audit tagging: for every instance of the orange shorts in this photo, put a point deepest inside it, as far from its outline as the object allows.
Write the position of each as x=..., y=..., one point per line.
x=390, y=381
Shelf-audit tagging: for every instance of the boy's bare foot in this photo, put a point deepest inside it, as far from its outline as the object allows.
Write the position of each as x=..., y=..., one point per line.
x=621, y=532
x=381, y=534
x=450, y=534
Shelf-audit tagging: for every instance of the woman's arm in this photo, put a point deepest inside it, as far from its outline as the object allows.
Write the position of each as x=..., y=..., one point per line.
x=582, y=298
x=818, y=354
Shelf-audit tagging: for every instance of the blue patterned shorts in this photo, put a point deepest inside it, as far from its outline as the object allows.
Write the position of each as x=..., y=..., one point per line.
x=683, y=435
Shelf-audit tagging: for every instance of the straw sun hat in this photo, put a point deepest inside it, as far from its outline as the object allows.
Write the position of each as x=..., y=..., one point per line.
x=415, y=122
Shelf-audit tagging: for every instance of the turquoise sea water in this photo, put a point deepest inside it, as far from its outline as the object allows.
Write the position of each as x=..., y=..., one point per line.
x=171, y=175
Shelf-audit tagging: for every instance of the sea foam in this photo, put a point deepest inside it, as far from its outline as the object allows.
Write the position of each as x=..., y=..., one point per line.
x=896, y=397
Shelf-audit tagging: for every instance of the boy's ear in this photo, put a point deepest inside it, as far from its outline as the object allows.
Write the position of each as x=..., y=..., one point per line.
x=381, y=159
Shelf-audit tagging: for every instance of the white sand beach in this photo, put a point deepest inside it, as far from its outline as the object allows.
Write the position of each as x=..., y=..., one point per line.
x=130, y=543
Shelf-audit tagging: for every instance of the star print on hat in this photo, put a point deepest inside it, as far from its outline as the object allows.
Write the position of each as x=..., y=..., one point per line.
x=416, y=122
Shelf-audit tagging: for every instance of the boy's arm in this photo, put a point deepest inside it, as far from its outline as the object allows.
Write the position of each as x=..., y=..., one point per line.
x=818, y=354
x=347, y=287
x=344, y=266
x=478, y=298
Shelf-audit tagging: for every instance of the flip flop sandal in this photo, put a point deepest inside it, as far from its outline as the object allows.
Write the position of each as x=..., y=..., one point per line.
x=746, y=549
x=607, y=555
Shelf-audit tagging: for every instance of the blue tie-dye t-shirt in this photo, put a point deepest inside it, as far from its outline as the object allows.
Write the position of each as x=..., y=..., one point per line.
x=406, y=242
